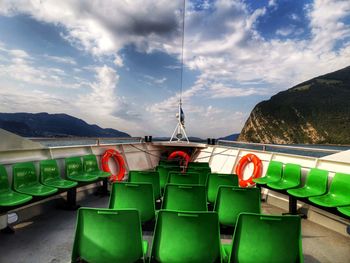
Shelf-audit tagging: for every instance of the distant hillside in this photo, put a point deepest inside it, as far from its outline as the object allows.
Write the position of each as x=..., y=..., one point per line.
x=53, y=125
x=232, y=137
x=315, y=111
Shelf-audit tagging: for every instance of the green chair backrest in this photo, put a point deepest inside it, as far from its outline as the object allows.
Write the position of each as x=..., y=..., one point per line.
x=203, y=173
x=49, y=170
x=231, y=201
x=151, y=177
x=23, y=174
x=164, y=173
x=340, y=185
x=198, y=164
x=267, y=238
x=183, y=178
x=185, y=197
x=274, y=170
x=168, y=163
x=292, y=172
x=4, y=182
x=73, y=165
x=106, y=236
x=90, y=163
x=317, y=179
x=216, y=180
x=186, y=237
x=137, y=196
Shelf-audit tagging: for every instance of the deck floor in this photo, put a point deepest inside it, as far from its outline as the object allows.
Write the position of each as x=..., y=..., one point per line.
x=48, y=238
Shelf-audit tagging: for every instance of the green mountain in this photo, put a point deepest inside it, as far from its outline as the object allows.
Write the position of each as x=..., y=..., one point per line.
x=316, y=111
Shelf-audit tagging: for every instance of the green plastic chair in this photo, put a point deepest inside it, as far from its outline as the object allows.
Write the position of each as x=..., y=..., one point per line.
x=74, y=171
x=290, y=177
x=25, y=181
x=198, y=164
x=266, y=238
x=216, y=180
x=232, y=201
x=50, y=175
x=345, y=210
x=202, y=171
x=273, y=173
x=108, y=236
x=137, y=196
x=183, y=178
x=338, y=194
x=168, y=163
x=185, y=197
x=164, y=173
x=315, y=184
x=151, y=177
x=7, y=196
x=186, y=237
x=90, y=166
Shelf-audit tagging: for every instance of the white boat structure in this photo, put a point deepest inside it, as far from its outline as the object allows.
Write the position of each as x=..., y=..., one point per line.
x=44, y=233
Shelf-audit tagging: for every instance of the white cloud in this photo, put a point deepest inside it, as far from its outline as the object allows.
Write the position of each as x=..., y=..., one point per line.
x=64, y=60
x=272, y=3
x=118, y=61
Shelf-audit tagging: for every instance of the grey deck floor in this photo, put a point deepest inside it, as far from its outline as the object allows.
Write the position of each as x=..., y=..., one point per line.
x=48, y=238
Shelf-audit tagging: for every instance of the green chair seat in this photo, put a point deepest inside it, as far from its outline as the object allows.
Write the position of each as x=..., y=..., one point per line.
x=50, y=175
x=137, y=196
x=108, y=236
x=36, y=189
x=315, y=184
x=60, y=183
x=290, y=178
x=185, y=197
x=216, y=180
x=273, y=173
x=74, y=171
x=266, y=238
x=90, y=166
x=338, y=194
x=151, y=177
x=11, y=198
x=198, y=164
x=82, y=177
x=232, y=201
x=7, y=196
x=186, y=237
x=345, y=210
x=25, y=181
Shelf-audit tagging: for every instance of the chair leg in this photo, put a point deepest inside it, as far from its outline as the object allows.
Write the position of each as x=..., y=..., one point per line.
x=71, y=203
x=293, y=208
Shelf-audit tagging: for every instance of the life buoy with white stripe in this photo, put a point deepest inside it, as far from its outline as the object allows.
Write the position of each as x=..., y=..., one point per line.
x=243, y=163
x=118, y=158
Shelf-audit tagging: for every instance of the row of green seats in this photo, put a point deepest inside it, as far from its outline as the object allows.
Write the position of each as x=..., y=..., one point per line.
x=108, y=235
x=26, y=184
x=315, y=187
x=213, y=181
x=231, y=201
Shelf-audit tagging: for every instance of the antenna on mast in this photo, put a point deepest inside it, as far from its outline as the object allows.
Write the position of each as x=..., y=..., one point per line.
x=179, y=132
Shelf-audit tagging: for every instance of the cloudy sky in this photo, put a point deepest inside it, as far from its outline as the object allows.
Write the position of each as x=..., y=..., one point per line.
x=116, y=63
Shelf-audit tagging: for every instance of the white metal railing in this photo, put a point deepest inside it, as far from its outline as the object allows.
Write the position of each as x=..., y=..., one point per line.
x=264, y=147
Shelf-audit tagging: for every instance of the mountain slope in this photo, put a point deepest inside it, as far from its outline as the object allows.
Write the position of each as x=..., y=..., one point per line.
x=53, y=125
x=315, y=111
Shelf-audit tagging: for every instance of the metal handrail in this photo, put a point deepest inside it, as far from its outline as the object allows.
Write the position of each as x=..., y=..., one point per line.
x=289, y=147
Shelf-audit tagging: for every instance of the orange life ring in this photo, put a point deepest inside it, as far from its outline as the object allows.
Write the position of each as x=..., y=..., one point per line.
x=181, y=154
x=118, y=158
x=243, y=163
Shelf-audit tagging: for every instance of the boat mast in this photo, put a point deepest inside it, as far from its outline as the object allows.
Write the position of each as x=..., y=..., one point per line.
x=179, y=132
